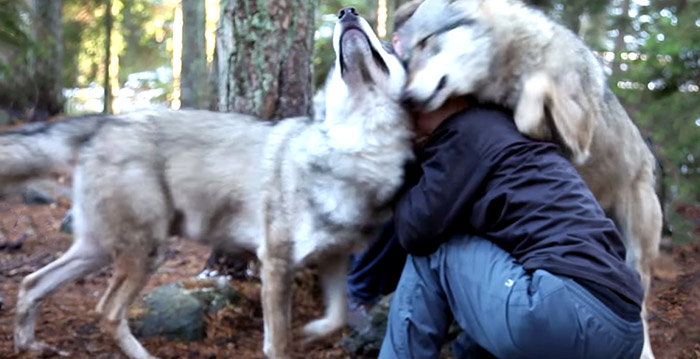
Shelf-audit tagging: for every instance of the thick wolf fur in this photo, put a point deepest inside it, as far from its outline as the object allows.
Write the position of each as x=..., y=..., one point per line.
x=291, y=193
x=504, y=52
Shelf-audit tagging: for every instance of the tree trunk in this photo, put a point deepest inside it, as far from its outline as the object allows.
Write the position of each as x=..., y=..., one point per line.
x=108, y=55
x=194, y=58
x=264, y=57
x=49, y=58
x=263, y=67
x=593, y=29
x=571, y=15
x=372, y=9
x=391, y=6
x=17, y=87
x=620, y=46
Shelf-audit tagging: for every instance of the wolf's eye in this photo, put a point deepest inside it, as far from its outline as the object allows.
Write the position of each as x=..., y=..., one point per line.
x=422, y=43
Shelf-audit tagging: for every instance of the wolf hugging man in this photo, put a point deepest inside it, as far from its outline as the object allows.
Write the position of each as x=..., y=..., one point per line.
x=504, y=237
x=503, y=234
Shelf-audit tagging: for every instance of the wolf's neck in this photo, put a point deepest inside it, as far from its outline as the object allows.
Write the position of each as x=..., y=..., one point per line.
x=367, y=127
x=517, y=32
x=518, y=27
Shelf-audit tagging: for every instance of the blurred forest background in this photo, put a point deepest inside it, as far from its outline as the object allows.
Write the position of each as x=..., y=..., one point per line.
x=57, y=57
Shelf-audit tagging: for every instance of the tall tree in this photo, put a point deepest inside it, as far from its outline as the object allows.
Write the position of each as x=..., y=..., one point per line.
x=263, y=68
x=49, y=29
x=108, y=56
x=16, y=45
x=622, y=24
x=391, y=6
x=570, y=12
x=659, y=82
x=264, y=57
x=194, y=58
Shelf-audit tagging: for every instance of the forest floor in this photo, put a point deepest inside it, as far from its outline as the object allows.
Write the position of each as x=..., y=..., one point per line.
x=68, y=320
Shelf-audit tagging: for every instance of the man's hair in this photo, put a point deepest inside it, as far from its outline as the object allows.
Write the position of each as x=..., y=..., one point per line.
x=404, y=12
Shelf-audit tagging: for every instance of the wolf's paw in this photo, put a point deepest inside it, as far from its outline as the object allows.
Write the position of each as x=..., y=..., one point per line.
x=40, y=349
x=530, y=110
x=530, y=124
x=646, y=351
x=579, y=158
x=321, y=328
x=270, y=354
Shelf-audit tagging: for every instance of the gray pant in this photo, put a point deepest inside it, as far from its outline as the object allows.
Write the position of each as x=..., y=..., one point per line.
x=510, y=313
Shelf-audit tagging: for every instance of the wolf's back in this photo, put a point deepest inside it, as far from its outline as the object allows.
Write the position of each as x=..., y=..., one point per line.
x=37, y=150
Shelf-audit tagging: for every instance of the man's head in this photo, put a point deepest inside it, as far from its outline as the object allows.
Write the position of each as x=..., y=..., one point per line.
x=401, y=15
x=437, y=40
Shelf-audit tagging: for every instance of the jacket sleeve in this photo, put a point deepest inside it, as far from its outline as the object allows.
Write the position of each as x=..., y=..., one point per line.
x=452, y=172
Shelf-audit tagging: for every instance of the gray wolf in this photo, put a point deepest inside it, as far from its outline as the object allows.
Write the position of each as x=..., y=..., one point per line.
x=295, y=192
x=503, y=52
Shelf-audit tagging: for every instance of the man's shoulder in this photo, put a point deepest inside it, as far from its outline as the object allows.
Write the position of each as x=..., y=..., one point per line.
x=479, y=118
x=485, y=127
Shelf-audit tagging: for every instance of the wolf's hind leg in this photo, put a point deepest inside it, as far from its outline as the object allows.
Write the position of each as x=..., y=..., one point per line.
x=83, y=257
x=114, y=283
x=639, y=218
x=647, y=353
x=333, y=281
x=132, y=271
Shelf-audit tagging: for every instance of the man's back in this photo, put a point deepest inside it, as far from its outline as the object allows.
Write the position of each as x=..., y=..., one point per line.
x=481, y=176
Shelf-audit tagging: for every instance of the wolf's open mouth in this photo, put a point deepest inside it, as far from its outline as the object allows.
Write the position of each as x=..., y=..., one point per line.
x=375, y=54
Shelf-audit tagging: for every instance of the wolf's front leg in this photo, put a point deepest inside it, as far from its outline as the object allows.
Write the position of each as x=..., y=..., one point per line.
x=333, y=274
x=530, y=110
x=276, y=300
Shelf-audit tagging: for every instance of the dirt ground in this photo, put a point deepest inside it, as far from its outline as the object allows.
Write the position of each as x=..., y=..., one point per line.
x=68, y=320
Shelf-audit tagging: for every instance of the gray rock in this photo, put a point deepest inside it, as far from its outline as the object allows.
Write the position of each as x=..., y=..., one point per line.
x=177, y=310
x=34, y=195
x=217, y=297
x=173, y=313
x=5, y=118
x=366, y=341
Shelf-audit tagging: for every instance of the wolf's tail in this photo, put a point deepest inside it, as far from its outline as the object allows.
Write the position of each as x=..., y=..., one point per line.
x=37, y=150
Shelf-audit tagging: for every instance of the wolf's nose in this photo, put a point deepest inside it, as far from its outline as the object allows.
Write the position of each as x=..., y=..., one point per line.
x=408, y=101
x=347, y=12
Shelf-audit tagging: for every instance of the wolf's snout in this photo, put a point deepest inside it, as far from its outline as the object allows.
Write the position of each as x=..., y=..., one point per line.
x=408, y=100
x=348, y=13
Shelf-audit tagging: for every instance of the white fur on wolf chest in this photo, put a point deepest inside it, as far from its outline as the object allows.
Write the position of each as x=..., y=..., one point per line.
x=350, y=176
x=324, y=200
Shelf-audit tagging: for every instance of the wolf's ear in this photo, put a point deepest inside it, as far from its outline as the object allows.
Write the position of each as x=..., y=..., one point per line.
x=572, y=118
